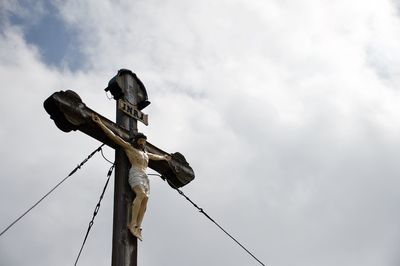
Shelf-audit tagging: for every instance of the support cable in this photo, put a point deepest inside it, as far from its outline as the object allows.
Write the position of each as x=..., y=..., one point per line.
x=96, y=210
x=48, y=193
x=102, y=154
x=211, y=219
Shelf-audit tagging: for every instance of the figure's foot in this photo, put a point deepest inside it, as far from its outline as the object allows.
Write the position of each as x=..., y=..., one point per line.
x=132, y=229
x=136, y=231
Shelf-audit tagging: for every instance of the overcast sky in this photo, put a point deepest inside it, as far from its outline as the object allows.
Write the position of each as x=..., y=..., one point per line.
x=288, y=112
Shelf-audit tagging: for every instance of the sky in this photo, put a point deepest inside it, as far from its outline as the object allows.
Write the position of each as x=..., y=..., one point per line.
x=286, y=110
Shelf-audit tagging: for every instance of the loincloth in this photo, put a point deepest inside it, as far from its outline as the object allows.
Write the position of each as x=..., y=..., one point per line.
x=139, y=178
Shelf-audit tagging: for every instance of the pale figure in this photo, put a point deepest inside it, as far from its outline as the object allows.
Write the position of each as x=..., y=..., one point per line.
x=138, y=179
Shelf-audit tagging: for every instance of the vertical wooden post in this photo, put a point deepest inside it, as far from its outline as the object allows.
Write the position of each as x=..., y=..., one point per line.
x=124, y=247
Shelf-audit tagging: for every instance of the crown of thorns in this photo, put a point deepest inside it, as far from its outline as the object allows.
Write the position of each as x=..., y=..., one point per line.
x=138, y=136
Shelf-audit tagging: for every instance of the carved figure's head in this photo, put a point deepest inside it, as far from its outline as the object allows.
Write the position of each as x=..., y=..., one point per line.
x=139, y=141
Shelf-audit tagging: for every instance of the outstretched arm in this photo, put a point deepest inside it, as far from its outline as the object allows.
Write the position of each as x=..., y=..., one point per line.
x=109, y=133
x=156, y=157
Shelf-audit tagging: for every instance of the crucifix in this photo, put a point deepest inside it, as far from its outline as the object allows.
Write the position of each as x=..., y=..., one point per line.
x=70, y=113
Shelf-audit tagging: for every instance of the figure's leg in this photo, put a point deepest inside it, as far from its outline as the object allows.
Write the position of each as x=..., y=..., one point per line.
x=136, y=206
x=142, y=211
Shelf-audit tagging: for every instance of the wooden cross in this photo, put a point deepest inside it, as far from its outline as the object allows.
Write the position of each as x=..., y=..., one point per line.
x=70, y=113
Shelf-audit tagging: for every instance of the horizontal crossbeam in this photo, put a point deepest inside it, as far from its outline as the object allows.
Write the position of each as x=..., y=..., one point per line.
x=69, y=113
